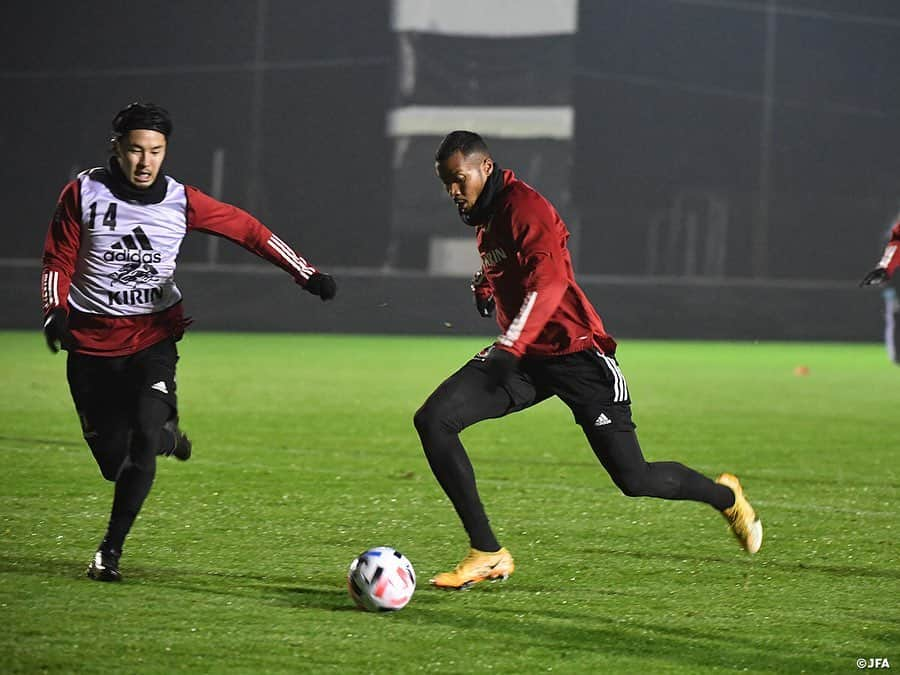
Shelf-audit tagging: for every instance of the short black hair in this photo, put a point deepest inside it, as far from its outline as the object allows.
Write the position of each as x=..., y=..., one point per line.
x=139, y=115
x=466, y=142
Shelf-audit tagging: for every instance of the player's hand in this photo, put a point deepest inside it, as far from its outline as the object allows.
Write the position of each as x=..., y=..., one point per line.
x=501, y=365
x=485, y=306
x=322, y=285
x=56, y=330
x=484, y=299
x=877, y=277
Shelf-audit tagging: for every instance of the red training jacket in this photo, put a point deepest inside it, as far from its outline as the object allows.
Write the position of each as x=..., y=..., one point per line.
x=890, y=259
x=527, y=268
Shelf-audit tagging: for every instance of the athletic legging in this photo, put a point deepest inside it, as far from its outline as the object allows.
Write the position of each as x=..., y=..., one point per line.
x=136, y=476
x=463, y=400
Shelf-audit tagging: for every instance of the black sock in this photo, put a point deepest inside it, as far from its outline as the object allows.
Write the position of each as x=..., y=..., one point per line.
x=132, y=488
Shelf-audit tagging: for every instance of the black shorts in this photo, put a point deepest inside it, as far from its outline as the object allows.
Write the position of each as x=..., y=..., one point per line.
x=106, y=389
x=589, y=382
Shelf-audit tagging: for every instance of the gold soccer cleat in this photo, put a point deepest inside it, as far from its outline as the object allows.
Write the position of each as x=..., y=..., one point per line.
x=743, y=520
x=475, y=567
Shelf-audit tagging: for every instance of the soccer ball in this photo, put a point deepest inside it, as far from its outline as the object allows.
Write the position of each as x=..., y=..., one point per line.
x=381, y=579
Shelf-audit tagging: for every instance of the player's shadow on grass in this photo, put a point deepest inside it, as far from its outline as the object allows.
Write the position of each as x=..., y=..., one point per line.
x=313, y=597
x=329, y=595
x=335, y=600
x=42, y=567
x=207, y=582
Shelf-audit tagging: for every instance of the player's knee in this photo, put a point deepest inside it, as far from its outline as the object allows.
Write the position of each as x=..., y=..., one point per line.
x=109, y=454
x=144, y=462
x=148, y=430
x=633, y=483
x=420, y=420
x=433, y=417
x=110, y=471
x=425, y=420
x=145, y=446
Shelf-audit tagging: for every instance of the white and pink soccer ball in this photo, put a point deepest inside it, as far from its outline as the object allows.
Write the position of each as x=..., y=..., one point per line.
x=381, y=580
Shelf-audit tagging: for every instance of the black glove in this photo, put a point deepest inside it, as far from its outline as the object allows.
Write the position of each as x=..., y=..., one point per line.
x=322, y=285
x=877, y=277
x=484, y=299
x=485, y=306
x=501, y=365
x=56, y=330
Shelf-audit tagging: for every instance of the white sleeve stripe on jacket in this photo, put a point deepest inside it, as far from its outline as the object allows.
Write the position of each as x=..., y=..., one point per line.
x=50, y=291
x=514, y=332
x=292, y=258
x=288, y=252
x=888, y=255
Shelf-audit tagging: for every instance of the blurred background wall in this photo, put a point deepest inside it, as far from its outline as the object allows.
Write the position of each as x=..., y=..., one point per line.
x=727, y=168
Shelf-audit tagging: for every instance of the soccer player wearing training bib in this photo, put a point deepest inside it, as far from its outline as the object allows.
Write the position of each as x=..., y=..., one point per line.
x=110, y=300
x=553, y=343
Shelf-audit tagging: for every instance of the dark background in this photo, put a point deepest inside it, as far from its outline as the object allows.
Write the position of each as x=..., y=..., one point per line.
x=733, y=169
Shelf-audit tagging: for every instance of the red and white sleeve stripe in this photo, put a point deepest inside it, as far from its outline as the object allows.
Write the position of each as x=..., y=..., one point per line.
x=888, y=256
x=303, y=268
x=890, y=259
x=49, y=289
x=514, y=332
x=61, y=247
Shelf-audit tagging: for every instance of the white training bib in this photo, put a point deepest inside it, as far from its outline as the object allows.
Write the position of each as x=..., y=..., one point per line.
x=126, y=265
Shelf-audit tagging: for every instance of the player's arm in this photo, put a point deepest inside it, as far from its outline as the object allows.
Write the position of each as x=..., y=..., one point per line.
x=540, y=255
x=210, y=215
x=60, y=257
x=890, y=261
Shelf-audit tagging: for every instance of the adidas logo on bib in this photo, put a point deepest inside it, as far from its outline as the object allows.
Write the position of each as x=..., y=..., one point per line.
x=134, y=248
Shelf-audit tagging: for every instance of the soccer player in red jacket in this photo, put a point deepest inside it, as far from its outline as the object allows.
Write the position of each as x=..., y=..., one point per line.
x=883, y=274
x=553, y=343
x=110, y=299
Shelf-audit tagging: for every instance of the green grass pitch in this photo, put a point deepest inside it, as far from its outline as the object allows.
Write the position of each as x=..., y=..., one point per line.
x=305, y=455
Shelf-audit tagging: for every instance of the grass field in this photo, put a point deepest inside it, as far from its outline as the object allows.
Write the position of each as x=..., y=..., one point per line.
x=305, y=455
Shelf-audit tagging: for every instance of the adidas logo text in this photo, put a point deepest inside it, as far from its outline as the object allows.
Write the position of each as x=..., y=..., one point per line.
x=132, y=256
x=134, y=247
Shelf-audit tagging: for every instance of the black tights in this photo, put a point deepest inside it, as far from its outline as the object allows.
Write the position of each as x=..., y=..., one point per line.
x=620, y=454
x=463, y=399
x=135, y=477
